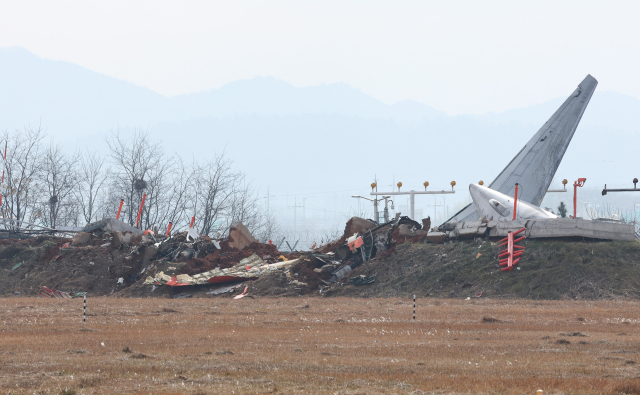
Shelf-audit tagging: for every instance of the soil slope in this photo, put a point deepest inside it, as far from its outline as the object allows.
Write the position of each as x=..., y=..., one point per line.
x=548, y=270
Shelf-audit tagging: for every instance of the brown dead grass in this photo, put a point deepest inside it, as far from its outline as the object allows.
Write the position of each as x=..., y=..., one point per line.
x=337, y=345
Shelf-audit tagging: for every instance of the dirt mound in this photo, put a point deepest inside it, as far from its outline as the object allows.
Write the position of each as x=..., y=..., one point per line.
x=548, y=270
x=303, y=271
x=272, y=284
x=44, y=262
x=300, y=279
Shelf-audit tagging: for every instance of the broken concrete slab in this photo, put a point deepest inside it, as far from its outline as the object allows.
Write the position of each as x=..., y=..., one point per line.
x=471, y=232
x=436, y=237
x=81, y=239
x=240, y=237
x=151, y=253
x=110, y=225
x=566, y=227
x=403, y=230
x=358, y=225
x=130, y=238
x=116, y=239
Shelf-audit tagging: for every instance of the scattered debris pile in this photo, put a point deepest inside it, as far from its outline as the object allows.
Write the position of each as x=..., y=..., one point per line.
x=108, y=257
x=54, y=293
x=367, y=260
x=248, y=268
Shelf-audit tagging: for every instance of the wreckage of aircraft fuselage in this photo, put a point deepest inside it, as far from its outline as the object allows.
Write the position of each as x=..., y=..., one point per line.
x=536, y=163
x=496, y=206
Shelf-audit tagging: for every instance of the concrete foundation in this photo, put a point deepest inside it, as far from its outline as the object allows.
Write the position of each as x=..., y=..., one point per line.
x=540, y=228
x=562, y=227
x=110, y=225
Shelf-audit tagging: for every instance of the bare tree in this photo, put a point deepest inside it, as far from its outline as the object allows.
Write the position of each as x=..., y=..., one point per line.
x=90, y=184
x=214, y=195
x=22, y=166
x=269, y=228
x=245, y=207
x=59, y=179
x=134, y=160
x=158, y=190
x=179, y=194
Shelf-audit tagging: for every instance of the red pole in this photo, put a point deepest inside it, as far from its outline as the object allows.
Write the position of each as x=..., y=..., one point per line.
x=192, y=221
x=515, y=203
x=120, y=208
x=168, y=229
x=140, y=211
x=577, y=184
x=575, y=193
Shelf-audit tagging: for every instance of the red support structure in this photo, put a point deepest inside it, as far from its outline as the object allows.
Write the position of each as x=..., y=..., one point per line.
x=168, y=229
x=140, y=211
x=515, y=203
x=577, y=184
x=120, y=208
x=510, y=253
x=193, y=219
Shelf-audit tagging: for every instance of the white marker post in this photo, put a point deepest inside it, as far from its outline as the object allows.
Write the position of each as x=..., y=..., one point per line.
x=84, y=310
x=414, y=309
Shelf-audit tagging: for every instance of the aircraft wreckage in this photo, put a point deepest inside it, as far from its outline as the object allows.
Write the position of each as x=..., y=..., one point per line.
x=492, y=210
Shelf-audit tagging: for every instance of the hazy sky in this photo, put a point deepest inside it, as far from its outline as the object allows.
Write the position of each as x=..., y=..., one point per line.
x=459, y=57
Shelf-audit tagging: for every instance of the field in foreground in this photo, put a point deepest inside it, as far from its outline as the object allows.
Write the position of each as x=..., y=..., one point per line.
x=317, y=345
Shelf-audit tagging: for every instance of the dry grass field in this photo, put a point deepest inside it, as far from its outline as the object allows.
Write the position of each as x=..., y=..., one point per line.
x=320, y=346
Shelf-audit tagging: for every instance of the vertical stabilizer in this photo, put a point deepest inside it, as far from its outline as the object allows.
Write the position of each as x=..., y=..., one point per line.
x=536, y=163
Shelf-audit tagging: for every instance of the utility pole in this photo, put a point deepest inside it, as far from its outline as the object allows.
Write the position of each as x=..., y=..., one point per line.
x=295, y=211
x=435, y=207
x=304, y=217
x=267, y=197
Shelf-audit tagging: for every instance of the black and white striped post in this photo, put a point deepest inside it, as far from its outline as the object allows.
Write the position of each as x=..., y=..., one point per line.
x=414, y=308
x=84, y=310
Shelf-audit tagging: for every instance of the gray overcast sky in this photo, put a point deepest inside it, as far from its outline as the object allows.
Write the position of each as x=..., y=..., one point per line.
x=456, y=56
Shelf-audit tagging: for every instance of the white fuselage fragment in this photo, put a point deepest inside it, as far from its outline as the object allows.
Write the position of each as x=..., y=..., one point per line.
x=496, y=206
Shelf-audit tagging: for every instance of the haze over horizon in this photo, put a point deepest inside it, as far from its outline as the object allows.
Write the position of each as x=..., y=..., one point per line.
x=457, y=57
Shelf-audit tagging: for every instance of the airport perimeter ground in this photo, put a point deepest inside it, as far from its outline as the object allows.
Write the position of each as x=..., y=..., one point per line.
x=317, y=345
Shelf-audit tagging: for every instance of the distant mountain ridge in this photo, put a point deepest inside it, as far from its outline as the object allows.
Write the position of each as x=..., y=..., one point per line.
x=71, y=99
